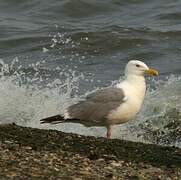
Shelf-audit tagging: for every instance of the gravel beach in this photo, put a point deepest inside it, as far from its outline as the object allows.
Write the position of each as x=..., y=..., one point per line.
x=28, y=153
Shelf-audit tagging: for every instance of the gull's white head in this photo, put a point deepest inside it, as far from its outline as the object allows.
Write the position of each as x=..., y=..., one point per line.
x=138, y=68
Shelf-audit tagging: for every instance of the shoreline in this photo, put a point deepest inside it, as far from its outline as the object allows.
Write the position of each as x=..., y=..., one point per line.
x=37, y=153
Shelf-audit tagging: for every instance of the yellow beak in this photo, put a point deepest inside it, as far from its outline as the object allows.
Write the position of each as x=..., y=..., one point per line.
x=152, y=72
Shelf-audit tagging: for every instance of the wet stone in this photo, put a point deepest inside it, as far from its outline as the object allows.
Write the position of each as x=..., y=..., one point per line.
x=28, y=153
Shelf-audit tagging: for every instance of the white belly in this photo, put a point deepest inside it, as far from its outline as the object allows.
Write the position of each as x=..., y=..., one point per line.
x=125, y=111
x=134, y=93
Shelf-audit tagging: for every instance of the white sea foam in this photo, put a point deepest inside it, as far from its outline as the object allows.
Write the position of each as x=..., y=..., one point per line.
x=27, y=99
x=25, y=103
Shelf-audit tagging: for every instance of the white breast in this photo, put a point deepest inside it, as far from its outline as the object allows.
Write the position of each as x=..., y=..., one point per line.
x=134, y=93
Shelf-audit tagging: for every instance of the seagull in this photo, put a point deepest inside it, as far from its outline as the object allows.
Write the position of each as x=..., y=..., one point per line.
x=112, y=105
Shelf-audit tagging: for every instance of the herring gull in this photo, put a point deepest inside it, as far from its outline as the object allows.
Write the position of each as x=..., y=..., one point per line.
x=112, y=105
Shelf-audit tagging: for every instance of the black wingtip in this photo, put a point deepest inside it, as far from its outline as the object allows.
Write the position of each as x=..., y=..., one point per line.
x=52, y=119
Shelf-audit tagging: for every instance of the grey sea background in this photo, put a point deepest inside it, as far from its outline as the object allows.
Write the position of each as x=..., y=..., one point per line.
x=53, y=53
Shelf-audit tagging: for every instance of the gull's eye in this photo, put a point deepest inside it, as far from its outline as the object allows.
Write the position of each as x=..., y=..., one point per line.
x=137, y=65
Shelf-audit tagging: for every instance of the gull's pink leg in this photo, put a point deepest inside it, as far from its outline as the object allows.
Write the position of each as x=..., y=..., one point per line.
x=109, y=132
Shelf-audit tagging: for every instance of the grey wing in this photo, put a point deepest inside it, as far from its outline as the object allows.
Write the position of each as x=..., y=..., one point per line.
x=107, y=95
x=95, y=108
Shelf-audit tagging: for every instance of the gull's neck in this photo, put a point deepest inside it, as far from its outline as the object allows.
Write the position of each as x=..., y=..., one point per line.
x=134, y=84
x=135, y=79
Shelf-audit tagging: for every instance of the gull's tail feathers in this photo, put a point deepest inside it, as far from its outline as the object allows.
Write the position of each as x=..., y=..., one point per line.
x=56, y=120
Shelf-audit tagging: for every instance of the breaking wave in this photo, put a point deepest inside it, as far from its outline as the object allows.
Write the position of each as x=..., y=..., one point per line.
x=28, y=97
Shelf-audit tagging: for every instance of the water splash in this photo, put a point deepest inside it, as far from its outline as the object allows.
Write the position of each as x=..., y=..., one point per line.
x=24, y=101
